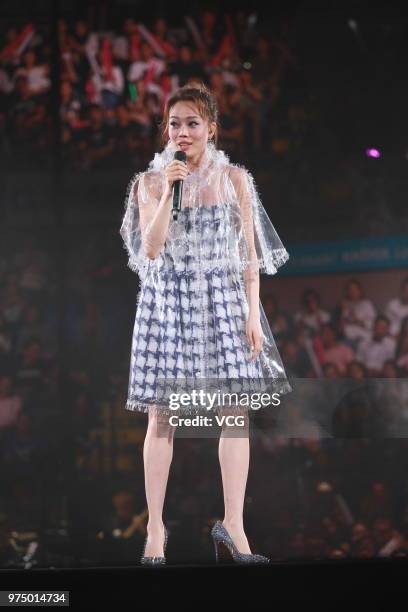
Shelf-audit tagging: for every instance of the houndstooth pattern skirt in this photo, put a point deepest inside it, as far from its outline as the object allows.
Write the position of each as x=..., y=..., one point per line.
x=190, y=333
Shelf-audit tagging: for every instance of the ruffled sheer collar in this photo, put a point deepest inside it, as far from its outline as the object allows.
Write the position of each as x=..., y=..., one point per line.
x=212, y=157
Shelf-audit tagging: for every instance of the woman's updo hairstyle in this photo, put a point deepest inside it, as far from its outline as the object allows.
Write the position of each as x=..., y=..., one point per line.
x=198, y=93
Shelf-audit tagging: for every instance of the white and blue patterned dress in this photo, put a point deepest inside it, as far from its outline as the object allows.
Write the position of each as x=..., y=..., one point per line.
x=190, y=323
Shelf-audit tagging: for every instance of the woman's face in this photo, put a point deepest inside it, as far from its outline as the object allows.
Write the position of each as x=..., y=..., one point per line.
x=187, y=126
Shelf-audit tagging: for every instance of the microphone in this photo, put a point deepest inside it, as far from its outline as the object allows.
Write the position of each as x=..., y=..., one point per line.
x=178, y=186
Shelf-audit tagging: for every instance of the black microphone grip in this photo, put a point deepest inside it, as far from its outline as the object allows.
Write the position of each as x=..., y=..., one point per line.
x=178, y=187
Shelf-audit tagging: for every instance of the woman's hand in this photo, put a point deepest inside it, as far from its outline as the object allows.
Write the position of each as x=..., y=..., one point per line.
x=176, y=170
x=254, y=334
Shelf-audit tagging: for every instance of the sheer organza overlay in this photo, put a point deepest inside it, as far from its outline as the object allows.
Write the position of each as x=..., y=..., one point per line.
x=222, y=238
x=250, y=240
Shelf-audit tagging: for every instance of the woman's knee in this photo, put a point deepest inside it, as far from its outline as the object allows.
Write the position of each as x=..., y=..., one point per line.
x=159, y=424
x=236, y=421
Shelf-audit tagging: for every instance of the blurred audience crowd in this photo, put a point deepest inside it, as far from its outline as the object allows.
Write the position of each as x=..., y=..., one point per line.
x=115, y=83
x=351, y=339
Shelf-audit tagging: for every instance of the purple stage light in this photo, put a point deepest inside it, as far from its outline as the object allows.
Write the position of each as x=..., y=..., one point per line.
x=373, y=153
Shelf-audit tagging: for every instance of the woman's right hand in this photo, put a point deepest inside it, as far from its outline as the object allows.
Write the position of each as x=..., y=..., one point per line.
x=176, y=170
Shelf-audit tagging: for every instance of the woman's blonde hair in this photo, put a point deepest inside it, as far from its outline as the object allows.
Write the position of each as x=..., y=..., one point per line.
x=198, y=93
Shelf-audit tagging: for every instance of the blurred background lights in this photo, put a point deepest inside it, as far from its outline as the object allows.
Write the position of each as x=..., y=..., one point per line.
x=371, y=152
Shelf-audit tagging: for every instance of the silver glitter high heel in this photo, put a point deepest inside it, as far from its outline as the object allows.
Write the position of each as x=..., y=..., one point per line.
x=221, y=536
x=155, y=560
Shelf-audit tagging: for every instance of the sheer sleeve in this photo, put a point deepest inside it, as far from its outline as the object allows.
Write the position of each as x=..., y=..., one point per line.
x=260, y=247
x=142, y=199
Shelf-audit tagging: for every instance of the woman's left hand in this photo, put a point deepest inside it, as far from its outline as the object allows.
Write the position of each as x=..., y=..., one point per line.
x=254, y=334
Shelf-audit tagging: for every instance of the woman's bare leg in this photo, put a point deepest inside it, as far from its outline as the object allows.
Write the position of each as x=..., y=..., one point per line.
x=157, y=456
x=233, y=452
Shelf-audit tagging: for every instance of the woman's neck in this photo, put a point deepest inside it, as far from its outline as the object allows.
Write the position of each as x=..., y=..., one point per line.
x=195, y=162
